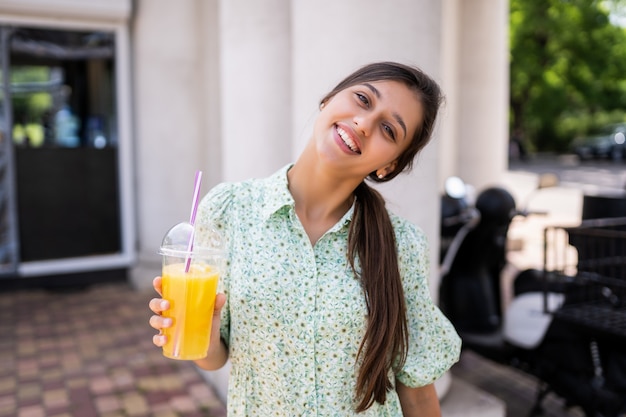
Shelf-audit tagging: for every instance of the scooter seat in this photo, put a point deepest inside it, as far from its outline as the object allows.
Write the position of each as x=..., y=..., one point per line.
x=526, y=322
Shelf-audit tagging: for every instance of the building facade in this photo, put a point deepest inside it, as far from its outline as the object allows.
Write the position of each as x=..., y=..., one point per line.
x=232, y=87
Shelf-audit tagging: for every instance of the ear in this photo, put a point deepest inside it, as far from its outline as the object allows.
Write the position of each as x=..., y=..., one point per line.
x=386, y=170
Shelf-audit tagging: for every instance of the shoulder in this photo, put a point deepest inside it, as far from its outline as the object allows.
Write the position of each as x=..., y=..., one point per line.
x=231, y=192
x=407, y=233
x=224, y=200
x=413, y=252
x=244, y=199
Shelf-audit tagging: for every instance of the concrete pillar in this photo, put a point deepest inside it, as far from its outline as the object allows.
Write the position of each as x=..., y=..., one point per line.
x=482, y=139
x=327, y=46
x=169, y=87
x=256, y=87
x=448, y=122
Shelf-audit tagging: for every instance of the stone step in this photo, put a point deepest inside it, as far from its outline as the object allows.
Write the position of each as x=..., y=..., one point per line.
x=465, y=400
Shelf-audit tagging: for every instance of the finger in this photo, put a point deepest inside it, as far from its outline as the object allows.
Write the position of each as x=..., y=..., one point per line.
x=157, y=285
x=220, y=300
x=158, y=322
x=159, y=340
x=158, y=305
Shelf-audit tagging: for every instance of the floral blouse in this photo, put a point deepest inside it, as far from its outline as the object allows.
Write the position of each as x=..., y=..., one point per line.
x=295, y=313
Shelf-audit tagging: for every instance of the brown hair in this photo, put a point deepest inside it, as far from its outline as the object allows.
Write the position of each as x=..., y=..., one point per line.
x=372, y=241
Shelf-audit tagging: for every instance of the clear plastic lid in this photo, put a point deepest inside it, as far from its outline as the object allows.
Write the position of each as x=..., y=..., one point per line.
x=207, y=242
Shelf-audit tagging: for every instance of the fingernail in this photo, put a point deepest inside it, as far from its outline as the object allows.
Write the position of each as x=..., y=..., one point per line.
x=167, y=322
x=164, y=305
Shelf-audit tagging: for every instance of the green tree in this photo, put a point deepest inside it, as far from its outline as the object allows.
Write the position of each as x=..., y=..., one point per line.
x=568, y=69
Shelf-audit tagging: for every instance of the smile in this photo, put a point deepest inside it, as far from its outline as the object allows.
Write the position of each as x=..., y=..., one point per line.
x=350, y=143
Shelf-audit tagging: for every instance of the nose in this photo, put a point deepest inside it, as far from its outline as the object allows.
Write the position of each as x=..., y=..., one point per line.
x=362, y=124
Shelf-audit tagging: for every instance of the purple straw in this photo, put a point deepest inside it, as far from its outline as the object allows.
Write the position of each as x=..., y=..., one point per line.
x=192, y=217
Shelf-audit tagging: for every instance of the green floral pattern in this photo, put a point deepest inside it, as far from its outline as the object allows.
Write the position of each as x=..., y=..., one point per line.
x=296, y=314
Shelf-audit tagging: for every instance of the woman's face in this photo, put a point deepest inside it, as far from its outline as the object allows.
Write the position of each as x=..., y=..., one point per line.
x=366, y=127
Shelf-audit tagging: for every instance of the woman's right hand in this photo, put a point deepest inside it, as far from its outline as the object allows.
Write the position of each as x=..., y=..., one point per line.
x=158, y=306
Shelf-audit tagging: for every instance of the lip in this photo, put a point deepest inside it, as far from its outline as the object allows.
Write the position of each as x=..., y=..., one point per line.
x=351, y=135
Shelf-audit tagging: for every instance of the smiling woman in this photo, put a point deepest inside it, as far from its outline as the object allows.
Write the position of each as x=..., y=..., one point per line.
x=353, y=326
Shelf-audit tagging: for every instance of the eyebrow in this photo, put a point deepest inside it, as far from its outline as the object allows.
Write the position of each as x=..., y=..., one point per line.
x=396, y=116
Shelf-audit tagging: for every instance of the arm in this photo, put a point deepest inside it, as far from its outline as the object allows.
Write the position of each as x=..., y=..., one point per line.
x=418, y=402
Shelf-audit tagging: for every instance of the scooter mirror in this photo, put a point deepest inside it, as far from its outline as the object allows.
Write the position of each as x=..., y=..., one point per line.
x=455, y=187
x=547, y=180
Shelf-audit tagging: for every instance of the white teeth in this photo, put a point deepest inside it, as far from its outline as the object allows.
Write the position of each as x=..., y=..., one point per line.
x=347, y=140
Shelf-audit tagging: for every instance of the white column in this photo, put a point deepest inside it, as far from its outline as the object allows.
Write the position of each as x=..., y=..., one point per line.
x=448, y=123
x=483, y=91
x=256, y=87
x=328, y=45
x=169, y=101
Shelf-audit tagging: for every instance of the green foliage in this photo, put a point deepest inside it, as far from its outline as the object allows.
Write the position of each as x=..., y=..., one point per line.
x=568, y=69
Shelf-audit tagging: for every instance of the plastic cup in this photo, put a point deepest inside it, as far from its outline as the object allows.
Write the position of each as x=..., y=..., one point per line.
x=189, y=283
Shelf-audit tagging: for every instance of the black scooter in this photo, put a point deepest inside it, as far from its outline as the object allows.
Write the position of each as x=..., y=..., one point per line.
x=587, y=368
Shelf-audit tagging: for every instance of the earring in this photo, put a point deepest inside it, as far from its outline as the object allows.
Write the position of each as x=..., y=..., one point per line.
x=380, y=176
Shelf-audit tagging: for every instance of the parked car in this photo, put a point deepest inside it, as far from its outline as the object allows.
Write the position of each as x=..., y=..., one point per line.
x=609, y=143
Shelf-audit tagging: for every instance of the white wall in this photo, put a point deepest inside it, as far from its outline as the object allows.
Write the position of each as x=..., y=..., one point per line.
x=256, y=85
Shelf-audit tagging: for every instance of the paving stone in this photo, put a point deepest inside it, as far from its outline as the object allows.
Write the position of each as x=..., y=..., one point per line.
x=8, y=384
x=64, y=358
x=55, y=398
x=29, y=390
x=101, y=385
x=31, y=411
x=135, y=404
x=183, y=403
x=8, y=405
x=108, y=403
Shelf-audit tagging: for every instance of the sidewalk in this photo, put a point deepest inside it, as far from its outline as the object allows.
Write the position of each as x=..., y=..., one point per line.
x=89, y=354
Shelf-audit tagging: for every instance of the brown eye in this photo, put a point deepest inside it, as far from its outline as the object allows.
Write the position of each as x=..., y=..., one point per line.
x=389, y=131
x=363, y=99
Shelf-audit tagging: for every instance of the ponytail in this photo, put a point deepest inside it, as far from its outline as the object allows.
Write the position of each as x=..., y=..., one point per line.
x=371, y=239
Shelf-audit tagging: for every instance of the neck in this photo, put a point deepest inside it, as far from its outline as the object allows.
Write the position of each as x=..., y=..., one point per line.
x=316, y=191
x=321, y=199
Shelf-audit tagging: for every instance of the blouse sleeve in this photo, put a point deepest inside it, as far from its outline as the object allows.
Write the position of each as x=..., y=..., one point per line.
x=213, y=211
x=434, y=345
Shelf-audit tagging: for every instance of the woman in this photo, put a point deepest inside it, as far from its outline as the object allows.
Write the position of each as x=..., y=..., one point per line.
x=325, y=307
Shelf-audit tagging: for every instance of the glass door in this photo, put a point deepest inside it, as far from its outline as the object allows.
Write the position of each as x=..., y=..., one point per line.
x=61, y=181
x=65, y=141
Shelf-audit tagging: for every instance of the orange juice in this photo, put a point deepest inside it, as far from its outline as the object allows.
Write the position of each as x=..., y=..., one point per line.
x=192, y=297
